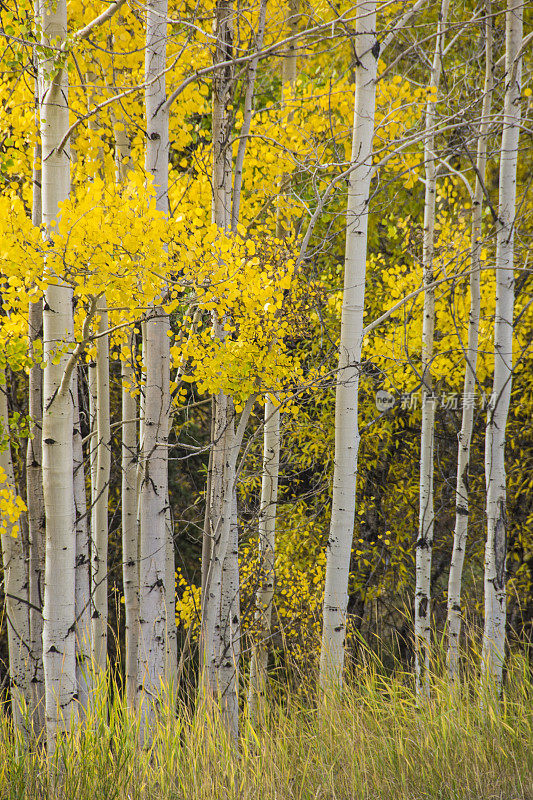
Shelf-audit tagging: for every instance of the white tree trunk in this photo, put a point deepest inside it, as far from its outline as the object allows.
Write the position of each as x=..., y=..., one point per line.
x=35, y=504
x=152, y=650
x=220, y=657
x=34, y=474
x=271, y=455
x=346, y=401
x=99, y=527
x=59, y=611
x=465, y=436
x=130, y=527
x=130, y=457
x=152, y=647
x=16, y=586
x=424, y=543
x=82, y=579
x=247, y=118
x=93, y=448
x=267, y=551
x=170, y=586
x=493, y=652
x=221, y=119
x=227, y=636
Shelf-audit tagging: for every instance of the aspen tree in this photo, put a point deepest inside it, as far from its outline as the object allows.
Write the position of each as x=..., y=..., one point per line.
x=424, y=542
x=93, y=449
x=247, y=118
x=267, y=549
x=34, y=475
x=102, y=469
x=35, y=503
x=346, y=400
x=220, y=664
x=271, y=457
x=221, y=645
x=100, y=448
x=129, y=457
x=493, y=651
x=82, y=577
x=220, y=676
x=228, y=640
x=221, y=604
x=171, y=674
x=471, y=355
x=16, y=583
x=152, y=646
x=130, y=528
x=59, y=590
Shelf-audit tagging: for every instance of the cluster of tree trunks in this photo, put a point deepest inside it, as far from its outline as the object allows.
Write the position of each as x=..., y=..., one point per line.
x=59, y=562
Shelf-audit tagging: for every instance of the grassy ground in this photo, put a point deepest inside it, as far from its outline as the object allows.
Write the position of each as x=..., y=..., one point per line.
x=374, y=744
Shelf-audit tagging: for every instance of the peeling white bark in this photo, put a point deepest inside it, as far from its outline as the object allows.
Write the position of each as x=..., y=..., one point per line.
x=59, y=592
x=493, y=651
x=152, y=649
x=346, y=401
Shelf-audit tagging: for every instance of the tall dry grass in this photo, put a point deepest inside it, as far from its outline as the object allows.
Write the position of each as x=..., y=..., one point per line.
x=374, y=743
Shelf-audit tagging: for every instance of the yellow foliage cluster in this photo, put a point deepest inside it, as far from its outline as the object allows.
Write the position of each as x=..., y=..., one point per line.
x=12, y=506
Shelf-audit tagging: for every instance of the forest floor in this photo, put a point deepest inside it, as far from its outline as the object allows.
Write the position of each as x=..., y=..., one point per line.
x=375, y=743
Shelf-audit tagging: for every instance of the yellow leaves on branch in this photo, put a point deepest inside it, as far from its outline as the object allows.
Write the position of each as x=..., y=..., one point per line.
x=12, y=507
x=242, y=283
x=111, y=240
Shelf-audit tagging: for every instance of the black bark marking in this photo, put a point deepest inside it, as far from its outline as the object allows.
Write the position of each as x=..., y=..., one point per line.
x=500, y=547
x=423, y=607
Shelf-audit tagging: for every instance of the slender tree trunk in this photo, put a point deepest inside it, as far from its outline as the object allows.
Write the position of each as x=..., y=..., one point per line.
x=170, y=586
x=424, y=543
x=222, y=94
x=221, y=659
x=346, y=402
x=83, y=562
x=271, y=456
x=228, y=640
x=99, y=528
x=493, y=652
x=267, y=545
x=152, y=650
x=220, y=656
x=465, y=436
x=130, y=457
x=16, y=584
x=35, y=503
x=206, y=537
x=247, y=118
x=34, y=474
x=93, y=447
x=130, y=528
x=59, y=592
